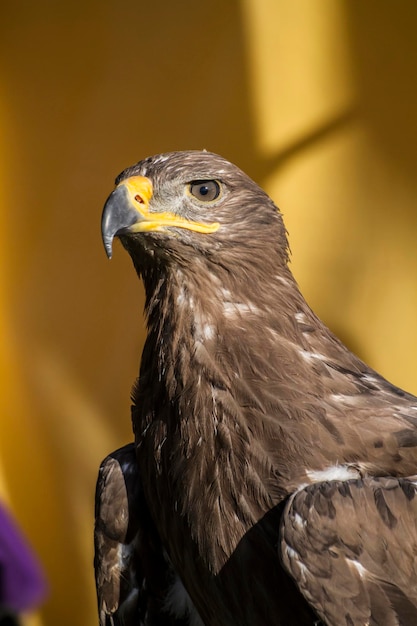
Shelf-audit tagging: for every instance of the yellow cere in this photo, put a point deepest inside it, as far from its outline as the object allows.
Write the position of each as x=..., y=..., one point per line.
x=140, y=191
x=139, y=186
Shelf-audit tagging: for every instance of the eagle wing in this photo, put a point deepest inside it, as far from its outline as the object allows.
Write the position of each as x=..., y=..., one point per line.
x=351, y=547
x=116, y=536
x=135, y=581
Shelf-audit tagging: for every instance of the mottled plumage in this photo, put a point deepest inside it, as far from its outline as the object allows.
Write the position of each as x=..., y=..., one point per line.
x=257, y=433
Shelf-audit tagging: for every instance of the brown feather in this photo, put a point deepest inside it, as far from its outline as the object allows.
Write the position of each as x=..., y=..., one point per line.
x=356, y=562
x=133, y=577
x=244, y=397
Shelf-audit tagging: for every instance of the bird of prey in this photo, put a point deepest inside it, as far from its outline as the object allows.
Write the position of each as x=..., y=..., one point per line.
x=272, y=479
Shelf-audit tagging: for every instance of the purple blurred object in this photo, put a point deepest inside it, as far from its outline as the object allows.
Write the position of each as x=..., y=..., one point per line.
x=22, y=581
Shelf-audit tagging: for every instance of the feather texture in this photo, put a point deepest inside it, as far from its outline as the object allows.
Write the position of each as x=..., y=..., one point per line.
x=352, y=548
x=244, y=399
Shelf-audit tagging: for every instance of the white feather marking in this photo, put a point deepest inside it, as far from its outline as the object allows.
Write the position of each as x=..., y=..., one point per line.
x=225, y=294
x=184, y=298
x=308, y=356
x=232, y=308
x=294, y=557
x=300, y=317
x=203, y=329
x=208, y=331
x=334, y=472
x=180, y=605
x=344, y=399
x=299, y=521
x=181, y=299
x=370, y=379
x=359, y=568
x=282, y=280
x=292, y=554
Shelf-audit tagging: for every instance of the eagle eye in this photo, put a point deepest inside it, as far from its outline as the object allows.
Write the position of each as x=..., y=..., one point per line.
x=205, y=190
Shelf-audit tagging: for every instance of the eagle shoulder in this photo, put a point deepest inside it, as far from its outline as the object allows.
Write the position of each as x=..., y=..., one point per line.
x=351, y=547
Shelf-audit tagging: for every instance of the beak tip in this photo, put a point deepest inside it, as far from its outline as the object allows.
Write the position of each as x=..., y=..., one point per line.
x=118, y=216
x=108, y=246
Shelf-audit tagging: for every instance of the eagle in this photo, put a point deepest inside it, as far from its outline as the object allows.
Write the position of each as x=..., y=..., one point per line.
x=272, y=479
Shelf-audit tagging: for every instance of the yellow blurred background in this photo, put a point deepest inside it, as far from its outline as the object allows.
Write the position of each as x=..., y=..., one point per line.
x=316, y=100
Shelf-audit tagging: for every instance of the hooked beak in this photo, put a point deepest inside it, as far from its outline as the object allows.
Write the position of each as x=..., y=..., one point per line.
x=127, y=211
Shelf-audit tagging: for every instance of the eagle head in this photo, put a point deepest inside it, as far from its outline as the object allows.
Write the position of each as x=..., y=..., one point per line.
x=180, y=205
